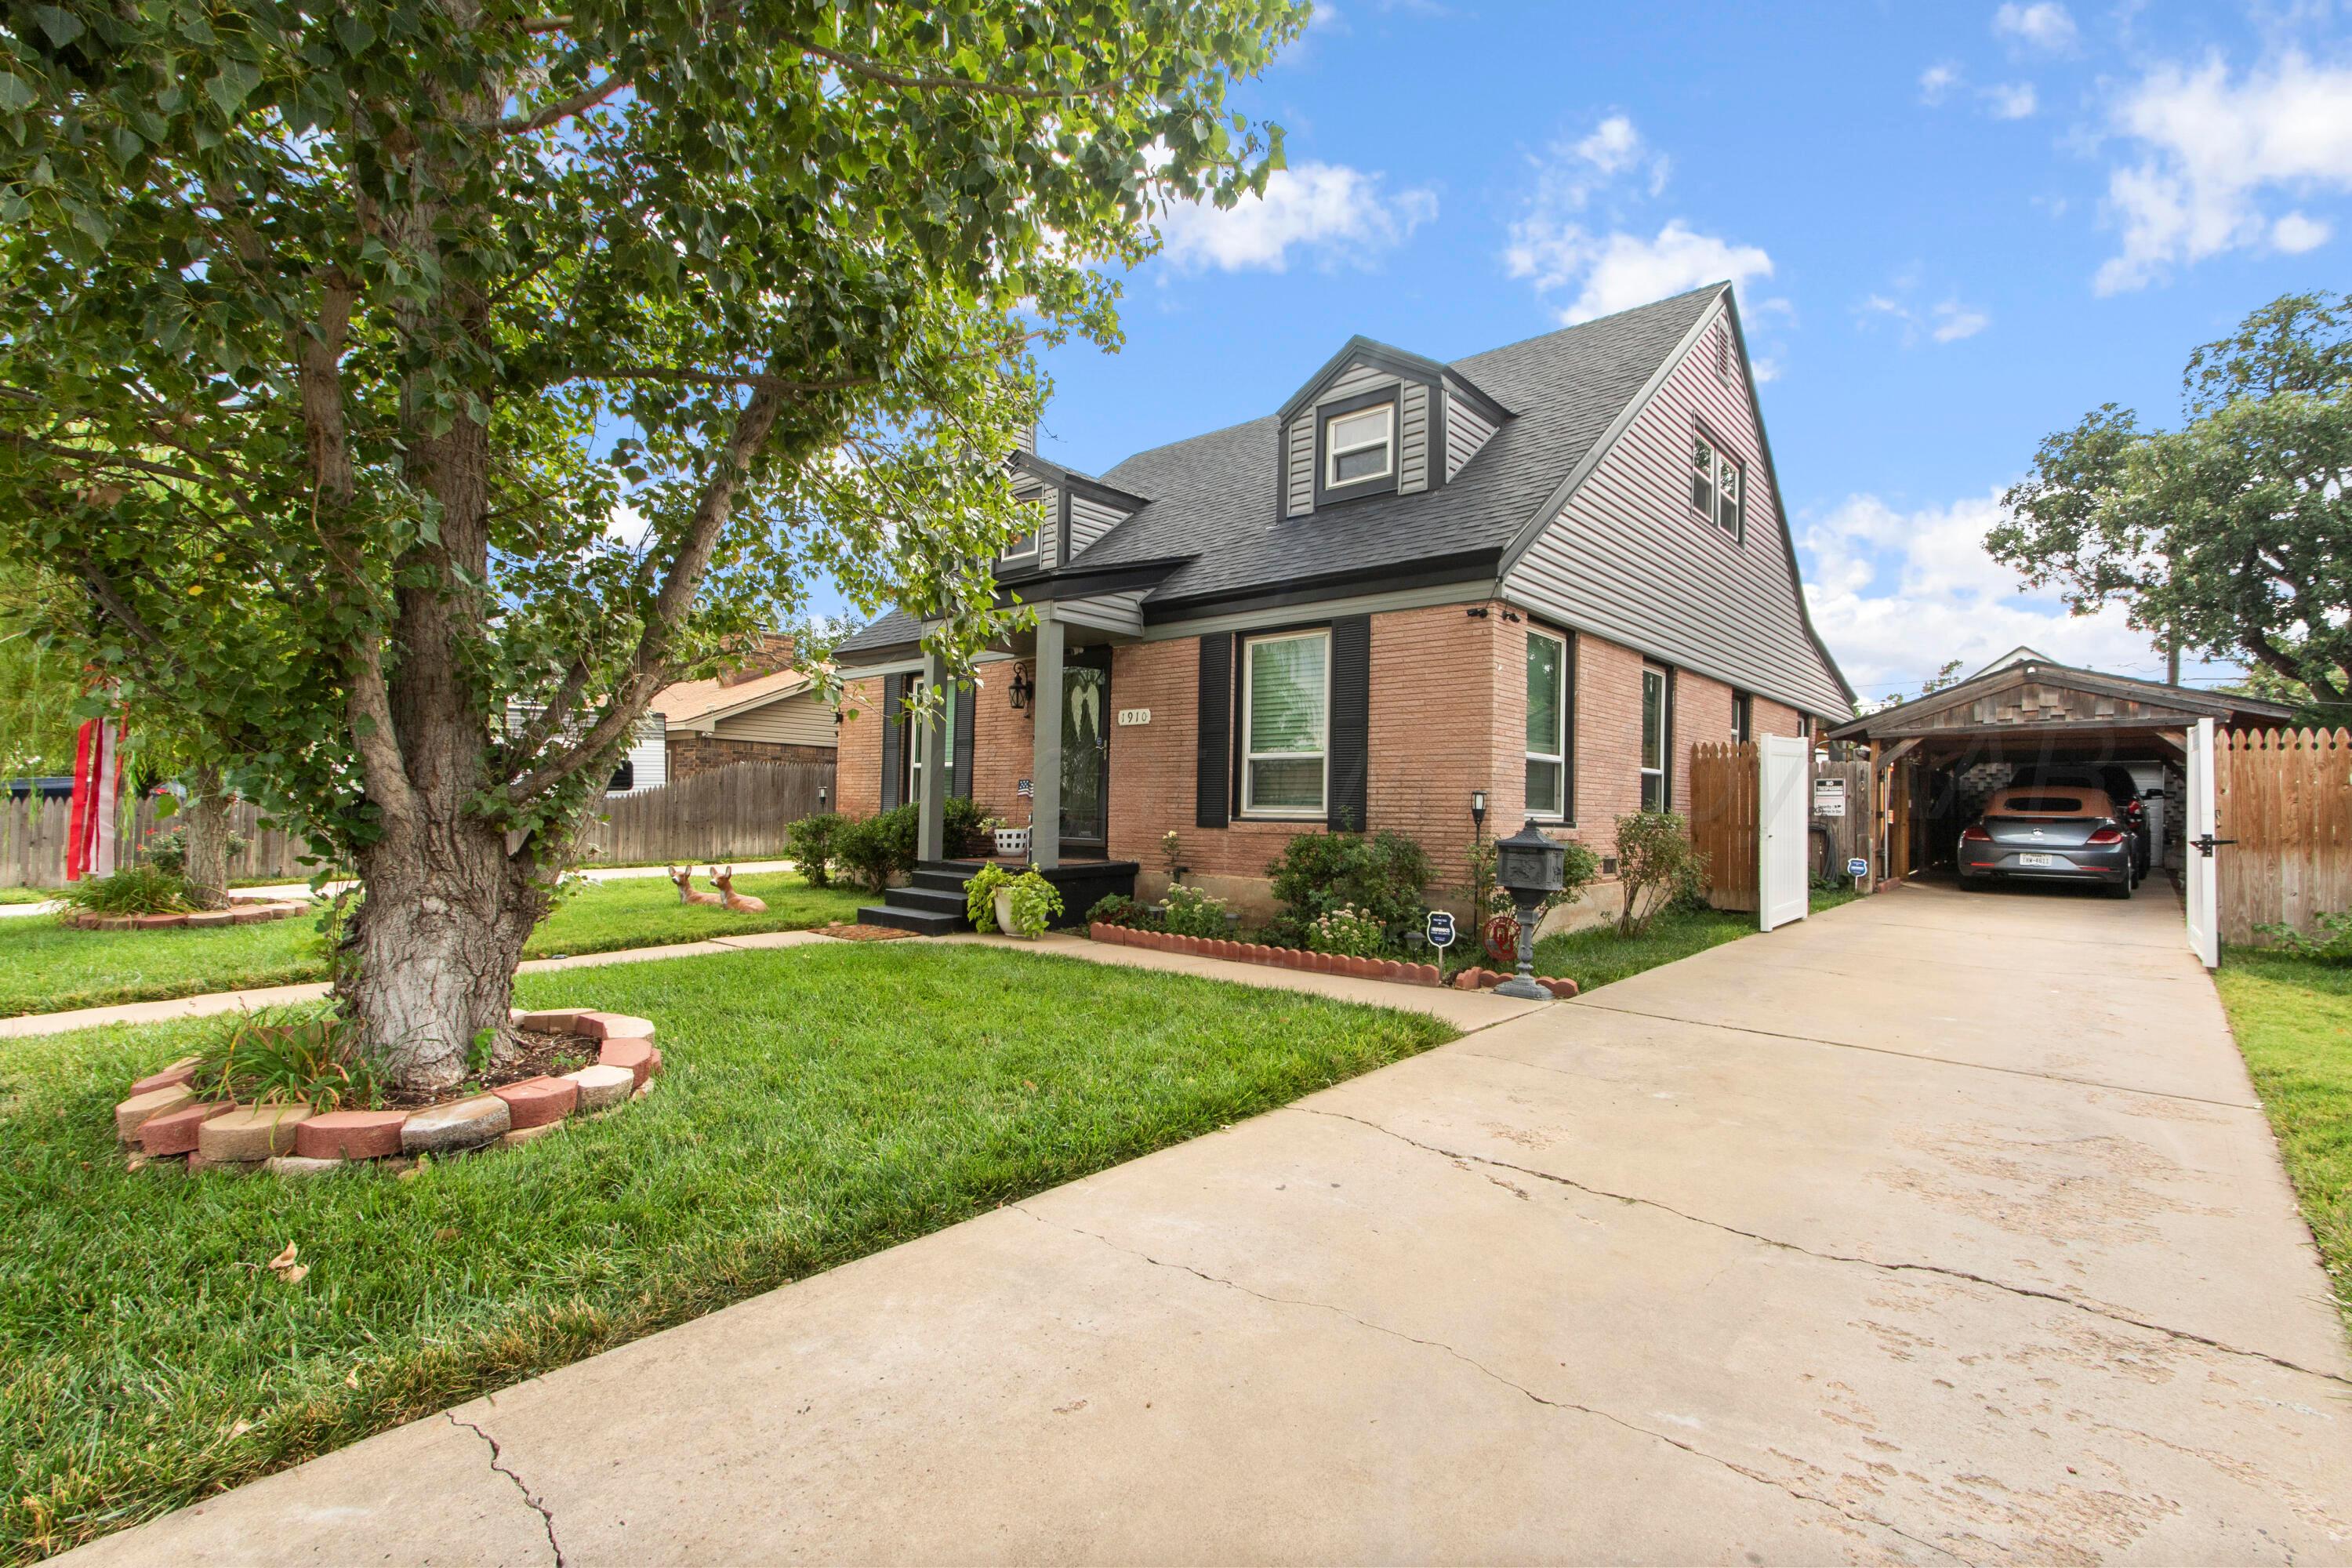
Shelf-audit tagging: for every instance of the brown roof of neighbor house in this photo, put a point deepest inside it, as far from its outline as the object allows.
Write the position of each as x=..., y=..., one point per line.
x=687, y=701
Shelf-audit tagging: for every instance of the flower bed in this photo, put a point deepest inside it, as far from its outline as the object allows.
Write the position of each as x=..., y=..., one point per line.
x=243, y=912
x=163, y=1119
x=1308, y=961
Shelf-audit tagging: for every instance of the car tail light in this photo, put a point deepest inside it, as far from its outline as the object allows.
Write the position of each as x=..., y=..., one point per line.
x=2105, y=836
x=1974, y=833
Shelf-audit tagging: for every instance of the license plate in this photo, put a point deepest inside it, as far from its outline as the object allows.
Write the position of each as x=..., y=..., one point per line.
x=2037, y=860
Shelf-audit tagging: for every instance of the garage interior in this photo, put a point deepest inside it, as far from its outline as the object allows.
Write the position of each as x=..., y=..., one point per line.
x=1936, y=759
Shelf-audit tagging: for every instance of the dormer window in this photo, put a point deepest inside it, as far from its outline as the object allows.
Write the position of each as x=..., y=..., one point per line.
x=1024, y=548
x=1359, y=446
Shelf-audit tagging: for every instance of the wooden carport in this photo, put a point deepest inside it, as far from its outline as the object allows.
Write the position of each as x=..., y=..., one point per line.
x=2025, y=710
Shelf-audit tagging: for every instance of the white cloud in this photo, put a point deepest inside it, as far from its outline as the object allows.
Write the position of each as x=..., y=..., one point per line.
x=1896, y=592
x=1947, y=321
x=1335, y=213
x=2211, y=148
x=1617, y=271
x=2045, y=26
x=1937, y=82
x=2012, y=100
x=1955, y=321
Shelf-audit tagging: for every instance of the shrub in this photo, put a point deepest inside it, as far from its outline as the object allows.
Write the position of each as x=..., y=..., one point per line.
x=139, y=888
x=1118, y=909
x=168, y=851
x=1655, y=865
x=875, y=849
x=810, y=843
x=965, y=829
x=1380, y=875
x=316, y=1060
x=1347, y=929
x=1033, y=904
x=1192, y=912
x=2330, y=944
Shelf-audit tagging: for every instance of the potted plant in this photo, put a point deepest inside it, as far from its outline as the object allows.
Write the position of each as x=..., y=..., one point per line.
x=1010, y=840
x=1022, y=906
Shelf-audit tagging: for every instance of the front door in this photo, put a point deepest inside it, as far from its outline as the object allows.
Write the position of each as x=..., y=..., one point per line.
x=1086, y=749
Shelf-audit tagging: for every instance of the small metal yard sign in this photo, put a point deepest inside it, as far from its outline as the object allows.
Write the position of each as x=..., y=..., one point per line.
x=1441, y=929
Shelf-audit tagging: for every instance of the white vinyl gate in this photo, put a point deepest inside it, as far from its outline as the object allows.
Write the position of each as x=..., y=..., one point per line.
x=2197, y=832
x=1783, y=809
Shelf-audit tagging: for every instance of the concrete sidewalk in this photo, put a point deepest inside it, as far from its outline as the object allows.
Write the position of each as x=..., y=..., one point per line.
x=1899, y=1235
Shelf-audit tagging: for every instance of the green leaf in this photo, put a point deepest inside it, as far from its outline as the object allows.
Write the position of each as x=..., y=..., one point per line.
x=16, y=95
x=62, y=26
x=236, y=82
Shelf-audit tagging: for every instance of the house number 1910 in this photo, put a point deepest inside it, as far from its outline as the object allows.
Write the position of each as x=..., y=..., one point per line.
x=1135, y=715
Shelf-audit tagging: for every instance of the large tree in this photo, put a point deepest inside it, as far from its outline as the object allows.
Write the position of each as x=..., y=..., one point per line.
x=415, y=388
x=2230, y=536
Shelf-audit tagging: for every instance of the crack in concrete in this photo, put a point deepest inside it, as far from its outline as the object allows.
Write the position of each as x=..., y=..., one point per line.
x=1743, y=1472
x=530, y=1499
x=1911, y=1056
x=2077, y=1303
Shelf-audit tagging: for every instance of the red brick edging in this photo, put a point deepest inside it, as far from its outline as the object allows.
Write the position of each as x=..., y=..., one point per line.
x=1301, y=958
x=164, y=1119
x=240, y=913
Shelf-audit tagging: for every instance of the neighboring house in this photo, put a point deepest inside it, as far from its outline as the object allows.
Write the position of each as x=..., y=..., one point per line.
x=766, y=711
x=1543, y=572
x=642, y=767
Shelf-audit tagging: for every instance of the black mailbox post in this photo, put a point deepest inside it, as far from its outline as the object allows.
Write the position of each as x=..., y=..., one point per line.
x=1527, y=865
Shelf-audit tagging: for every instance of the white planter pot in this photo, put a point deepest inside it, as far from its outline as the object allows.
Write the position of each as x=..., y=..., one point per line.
x=1012, y=841
x=1004, y=909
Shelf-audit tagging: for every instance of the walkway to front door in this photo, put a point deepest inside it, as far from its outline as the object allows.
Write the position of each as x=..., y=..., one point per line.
x=1940, y=1228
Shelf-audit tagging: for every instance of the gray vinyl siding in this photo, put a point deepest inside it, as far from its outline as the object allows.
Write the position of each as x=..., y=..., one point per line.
x=1356, y=378
x=1466, y=430
x=801, y=721
x=1628, y=559
x=1117, y=612
x=1089, y=521
x=1299, y=467
x=1028, y=487
x=1413, y=438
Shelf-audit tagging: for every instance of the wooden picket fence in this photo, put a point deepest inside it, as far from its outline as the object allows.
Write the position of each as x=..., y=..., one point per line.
x=737, y=812
x=1726, y=812
x=2286, y=796
x=33, y=833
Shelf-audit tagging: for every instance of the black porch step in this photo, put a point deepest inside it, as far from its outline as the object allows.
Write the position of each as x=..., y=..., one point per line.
x=922, y=922
x=922, y=897
x=944, y=879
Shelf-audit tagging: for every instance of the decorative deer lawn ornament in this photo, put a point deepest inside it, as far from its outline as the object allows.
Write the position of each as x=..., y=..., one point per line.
x=683, y=877
x=742, y=903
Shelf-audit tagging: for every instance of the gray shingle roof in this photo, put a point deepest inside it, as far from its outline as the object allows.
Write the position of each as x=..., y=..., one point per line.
x=1212, y=498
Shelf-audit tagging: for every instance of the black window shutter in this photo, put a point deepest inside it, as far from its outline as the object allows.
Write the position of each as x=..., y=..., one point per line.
x=894, y=726
x=1213, y=747
x=967, y=697
x=1351, y=720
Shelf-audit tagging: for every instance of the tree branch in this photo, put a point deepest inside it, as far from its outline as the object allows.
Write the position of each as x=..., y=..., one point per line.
x=564, y=109
x=751, y=380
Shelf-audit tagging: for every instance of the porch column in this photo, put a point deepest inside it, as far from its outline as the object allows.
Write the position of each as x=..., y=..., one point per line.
x=931, y=789
x=1046, y=781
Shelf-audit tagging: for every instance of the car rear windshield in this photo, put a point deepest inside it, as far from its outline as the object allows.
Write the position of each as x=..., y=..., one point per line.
x=2050, y=803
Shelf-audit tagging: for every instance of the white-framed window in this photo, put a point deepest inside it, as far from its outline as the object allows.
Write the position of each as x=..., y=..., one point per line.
x=1548, y=698
x=1286, y=729
x=1024, y=548
x=1359, y=446
x=1657, y=740
x=1718, y=488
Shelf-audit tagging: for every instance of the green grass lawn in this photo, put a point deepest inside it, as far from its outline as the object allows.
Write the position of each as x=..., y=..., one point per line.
x=26, y=895
x=47, y=968
x=2292, y=1018
x=1597, y=955
x=820, y=1103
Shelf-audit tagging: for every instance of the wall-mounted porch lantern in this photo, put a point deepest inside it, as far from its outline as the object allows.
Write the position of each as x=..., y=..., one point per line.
x=1528, y=866
x=1023, y=687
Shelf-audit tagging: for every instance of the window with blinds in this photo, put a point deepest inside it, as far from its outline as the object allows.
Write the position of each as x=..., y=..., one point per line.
x=1286, y=724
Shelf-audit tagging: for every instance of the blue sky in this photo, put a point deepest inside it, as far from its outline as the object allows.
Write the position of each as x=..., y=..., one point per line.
x=1954, y=229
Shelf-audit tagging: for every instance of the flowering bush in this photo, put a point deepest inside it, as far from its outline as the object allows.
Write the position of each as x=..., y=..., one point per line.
x=1347, y=929
x=1192, y=912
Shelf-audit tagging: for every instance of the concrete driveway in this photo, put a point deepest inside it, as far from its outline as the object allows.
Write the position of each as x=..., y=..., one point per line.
x=1940, y=1228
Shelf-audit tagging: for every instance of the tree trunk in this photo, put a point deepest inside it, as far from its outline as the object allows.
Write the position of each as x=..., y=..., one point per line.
x=428, y=961
x=206, y=868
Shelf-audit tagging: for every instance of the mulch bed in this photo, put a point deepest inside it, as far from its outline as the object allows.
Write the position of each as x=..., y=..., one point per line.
x=863, y=933
x=539, y=1056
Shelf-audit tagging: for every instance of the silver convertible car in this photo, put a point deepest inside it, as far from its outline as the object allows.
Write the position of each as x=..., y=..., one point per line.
x=2044, y=832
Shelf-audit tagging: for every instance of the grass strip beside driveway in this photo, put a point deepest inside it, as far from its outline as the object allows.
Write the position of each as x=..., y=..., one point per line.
x=48, y=968
x=2293, y=1020
x=822, y=1103
x=1597, y=954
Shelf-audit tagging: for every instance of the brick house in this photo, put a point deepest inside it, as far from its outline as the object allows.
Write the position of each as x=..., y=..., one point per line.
x=1543, y=572
x=765, y=710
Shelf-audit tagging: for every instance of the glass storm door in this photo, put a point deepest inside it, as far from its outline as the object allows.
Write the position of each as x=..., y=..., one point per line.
x=1086, y=754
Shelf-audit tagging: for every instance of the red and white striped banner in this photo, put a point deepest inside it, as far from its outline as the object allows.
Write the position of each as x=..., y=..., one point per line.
x=97, y=788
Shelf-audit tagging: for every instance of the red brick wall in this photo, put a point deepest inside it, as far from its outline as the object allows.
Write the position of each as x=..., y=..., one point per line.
x=1004, y=743
x=857, y=760
x=1448, y=716
x=1702, y=713
x=1770, y=718
x=689, y=753
x=1608, y=740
